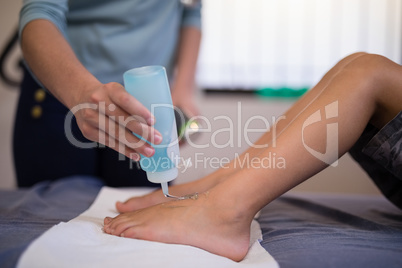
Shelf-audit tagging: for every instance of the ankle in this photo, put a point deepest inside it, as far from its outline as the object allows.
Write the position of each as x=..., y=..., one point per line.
x=228, y=207
x=239, y=200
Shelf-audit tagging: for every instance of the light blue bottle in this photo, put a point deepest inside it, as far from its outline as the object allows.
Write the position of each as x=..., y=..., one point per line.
x=150, y=86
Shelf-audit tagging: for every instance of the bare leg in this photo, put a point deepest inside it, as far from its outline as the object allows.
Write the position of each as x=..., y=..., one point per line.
x=214, y=178
x=368, y=89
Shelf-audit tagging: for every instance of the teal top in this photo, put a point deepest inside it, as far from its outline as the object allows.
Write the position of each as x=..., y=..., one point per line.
x=112, y=36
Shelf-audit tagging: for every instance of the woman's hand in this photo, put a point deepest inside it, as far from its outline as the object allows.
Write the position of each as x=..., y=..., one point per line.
x=109, y=115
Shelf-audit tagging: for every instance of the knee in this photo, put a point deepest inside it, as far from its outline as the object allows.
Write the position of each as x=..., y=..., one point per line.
x=356, y=55
x=367, y=66
x=367, y=70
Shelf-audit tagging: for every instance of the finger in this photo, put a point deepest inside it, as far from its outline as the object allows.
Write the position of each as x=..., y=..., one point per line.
x=120, y=139
x=120, y=147
x=107, y=140
x=131, y=105
x=129, y=140
x=134, y=123
x=143, y=130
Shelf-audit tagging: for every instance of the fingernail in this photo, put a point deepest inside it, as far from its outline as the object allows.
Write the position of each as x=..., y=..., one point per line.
x=151, y=121
x=157, y=138
x=135, y=157
x=122, y=234
x=148, y=151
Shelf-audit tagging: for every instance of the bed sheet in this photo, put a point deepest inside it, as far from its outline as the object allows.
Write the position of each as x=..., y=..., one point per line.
x=333, y=230
x=299, y=230
x=27, y=213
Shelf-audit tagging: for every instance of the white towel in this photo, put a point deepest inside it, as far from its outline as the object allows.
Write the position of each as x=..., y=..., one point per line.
x=82, y=243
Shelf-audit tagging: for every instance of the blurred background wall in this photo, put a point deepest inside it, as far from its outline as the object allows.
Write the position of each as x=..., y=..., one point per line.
x=270, y=43
x=248, y=45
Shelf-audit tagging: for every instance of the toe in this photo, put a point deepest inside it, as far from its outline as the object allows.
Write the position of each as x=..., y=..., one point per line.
x=107, y=220
x=127, y=206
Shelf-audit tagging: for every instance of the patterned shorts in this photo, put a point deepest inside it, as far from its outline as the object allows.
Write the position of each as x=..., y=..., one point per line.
x=379, y=152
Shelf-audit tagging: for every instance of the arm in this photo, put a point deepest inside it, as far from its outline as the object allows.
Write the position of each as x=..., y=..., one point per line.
x=186, y=62
x=54, y=63
x=183, y=87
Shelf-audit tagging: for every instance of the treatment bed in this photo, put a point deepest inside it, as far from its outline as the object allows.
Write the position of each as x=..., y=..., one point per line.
x=299, y=229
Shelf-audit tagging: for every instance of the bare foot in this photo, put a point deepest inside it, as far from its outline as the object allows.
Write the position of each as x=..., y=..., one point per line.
x=204, y=223
x=157, y=197
x=140, y=202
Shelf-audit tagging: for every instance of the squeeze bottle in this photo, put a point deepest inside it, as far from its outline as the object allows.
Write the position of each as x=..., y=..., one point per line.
x=149, y=85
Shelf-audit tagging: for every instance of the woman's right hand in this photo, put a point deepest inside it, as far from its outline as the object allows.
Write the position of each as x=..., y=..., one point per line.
x=108, y=114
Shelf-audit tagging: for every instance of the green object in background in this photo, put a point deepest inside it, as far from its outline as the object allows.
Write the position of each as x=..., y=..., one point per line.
x=283, y=92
